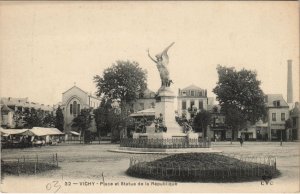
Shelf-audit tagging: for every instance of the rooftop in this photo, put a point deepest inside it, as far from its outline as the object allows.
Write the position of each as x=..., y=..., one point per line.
x=192, y=87
x=82, y=91
x=23, y=102
x=275, y=100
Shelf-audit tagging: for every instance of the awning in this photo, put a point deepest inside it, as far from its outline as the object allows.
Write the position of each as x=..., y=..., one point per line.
x=262, y=124
x=40, y=131
x=74, y=133
x=146, y=112
x=6, y=132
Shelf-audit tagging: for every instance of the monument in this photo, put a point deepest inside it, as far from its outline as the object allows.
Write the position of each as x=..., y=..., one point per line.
x=166, y=130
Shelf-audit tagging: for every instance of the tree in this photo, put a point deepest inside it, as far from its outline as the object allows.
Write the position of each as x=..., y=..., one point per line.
x=125, y=80
x=201, y=121
x=59, y=119
x=19, y=117
x=240, y=97
x=33, y=118
x=118, y=120
x=49, y=121
x=101, y=118
x=83, y=122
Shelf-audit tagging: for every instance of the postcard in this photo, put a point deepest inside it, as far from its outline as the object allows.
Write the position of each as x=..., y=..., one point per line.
x=154, y=97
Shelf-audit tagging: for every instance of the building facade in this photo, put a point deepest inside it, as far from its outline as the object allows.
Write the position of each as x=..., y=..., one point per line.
x=146, y=100
x=262, y=131
x=295, y=119
x=248, y=133
x=218, y=126
x=191, y=100
x=277, y=114
x=13, y=109
x=73, y=101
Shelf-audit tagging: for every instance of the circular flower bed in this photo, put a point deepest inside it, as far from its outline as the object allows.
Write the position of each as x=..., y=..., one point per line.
x=204, y=167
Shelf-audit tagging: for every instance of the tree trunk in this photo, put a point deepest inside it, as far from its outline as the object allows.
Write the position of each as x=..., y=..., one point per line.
x=83, y=136
x=203, y=136
x=232, y=135
x=99, y=136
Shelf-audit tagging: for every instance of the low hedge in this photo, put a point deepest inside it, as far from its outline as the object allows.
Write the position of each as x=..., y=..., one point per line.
x=202, y=167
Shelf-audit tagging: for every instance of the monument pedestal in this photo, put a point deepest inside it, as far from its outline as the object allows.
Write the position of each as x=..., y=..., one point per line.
x=164, y=108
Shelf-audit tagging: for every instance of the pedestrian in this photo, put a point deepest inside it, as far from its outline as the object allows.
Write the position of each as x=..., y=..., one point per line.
x=241, y=140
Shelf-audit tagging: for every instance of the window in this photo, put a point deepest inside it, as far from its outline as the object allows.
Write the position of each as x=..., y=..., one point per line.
x=74, y=108
x=183, y=105
x=282, y=116
x=192, y=103
x=273, y=116
x=192, y=93
x=71, y=109
x=184, y=93
x=276, y=103
x=78, y=107
x=200, y=104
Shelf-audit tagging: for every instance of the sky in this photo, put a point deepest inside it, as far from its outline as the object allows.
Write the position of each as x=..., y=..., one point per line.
x=47, y=47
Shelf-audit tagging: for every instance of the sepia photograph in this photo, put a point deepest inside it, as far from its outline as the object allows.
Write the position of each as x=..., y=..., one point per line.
x=149, y=97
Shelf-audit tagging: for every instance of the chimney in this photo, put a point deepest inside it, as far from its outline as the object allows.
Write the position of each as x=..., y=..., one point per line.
x=289, y=83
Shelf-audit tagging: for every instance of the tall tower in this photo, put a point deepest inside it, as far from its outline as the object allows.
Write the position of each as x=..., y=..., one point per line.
x=289, y=82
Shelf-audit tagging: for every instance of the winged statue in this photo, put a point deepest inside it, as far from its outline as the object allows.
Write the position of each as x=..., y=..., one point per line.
x=162, y=61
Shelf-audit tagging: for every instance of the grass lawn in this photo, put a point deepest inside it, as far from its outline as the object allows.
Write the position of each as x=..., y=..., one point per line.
x=28, y=168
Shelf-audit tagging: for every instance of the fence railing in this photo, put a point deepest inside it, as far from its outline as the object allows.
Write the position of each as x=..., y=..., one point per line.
x=256, y=166
x=29, y=164
x=164, y=143
x=96, y=140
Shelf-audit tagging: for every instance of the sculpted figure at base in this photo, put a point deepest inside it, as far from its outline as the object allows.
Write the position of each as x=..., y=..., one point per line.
x=162, y=61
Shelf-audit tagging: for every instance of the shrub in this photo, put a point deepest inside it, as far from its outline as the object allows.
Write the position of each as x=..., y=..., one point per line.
x=202, y=167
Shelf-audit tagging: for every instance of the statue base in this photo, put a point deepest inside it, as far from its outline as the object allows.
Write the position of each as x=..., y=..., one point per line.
x=164, y=107
x=173, y=137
